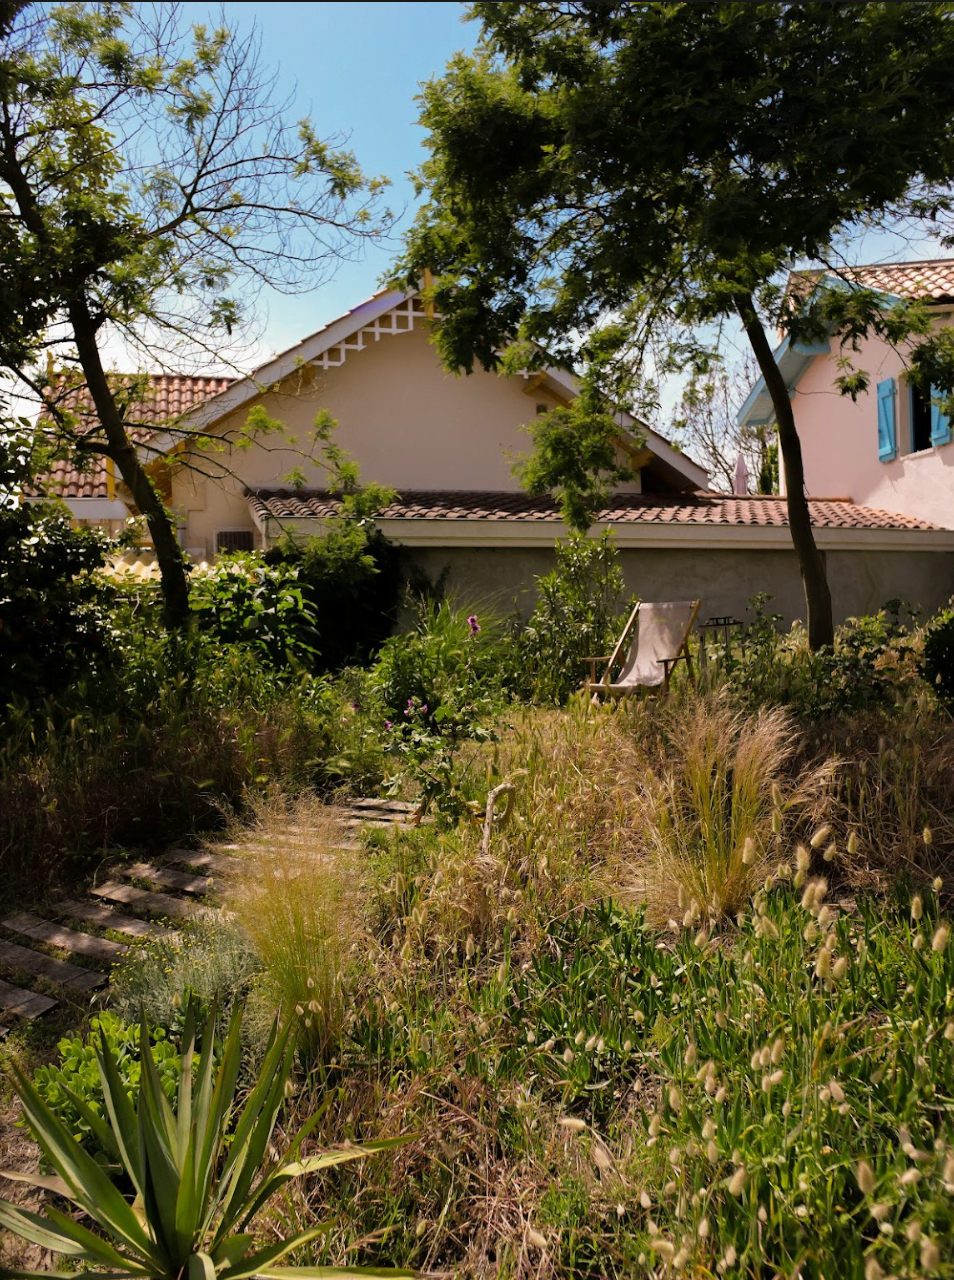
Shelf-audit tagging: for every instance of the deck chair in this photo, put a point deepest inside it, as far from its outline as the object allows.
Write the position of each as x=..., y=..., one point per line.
x=662, y=640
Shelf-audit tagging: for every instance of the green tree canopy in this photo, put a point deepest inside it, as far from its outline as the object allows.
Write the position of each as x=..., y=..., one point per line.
x=151, y=184
x=636, y=173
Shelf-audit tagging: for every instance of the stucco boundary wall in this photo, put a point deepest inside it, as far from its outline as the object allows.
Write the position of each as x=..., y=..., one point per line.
x=724, y=579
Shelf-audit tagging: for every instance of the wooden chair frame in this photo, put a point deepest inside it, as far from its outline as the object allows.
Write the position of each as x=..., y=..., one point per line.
x=682, y=655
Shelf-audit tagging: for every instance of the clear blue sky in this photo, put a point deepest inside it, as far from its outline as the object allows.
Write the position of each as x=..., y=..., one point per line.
x=358, y=68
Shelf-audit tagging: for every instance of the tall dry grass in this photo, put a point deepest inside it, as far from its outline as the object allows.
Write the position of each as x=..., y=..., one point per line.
x=297, y=902
x=709, y=819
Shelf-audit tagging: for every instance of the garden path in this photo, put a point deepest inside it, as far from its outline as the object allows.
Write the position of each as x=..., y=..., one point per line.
x=56, y=952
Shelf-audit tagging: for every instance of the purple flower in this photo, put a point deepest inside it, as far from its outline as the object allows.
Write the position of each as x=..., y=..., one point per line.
x=473, y=624
x=424, y=707
x=387, y=724
x=355, y=707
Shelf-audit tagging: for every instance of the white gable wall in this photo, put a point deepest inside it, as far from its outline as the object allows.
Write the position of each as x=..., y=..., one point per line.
x=406, y=420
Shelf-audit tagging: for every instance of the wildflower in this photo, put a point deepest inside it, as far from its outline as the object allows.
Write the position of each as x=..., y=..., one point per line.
x=535, y=1239
x=709, y=1128
x=927, y=836
x=909, y=1177
x=873, y=1269
x=937, y=884
x=831, y=852
x=939, y=941
x=803, y=859
x=730, y=1257
x=470, y=947
x=721, y=1020
x=839, y=968
x=573, y=1124
x=473, y=624
x=387, y=724
x=852, y=842
x=736, y=1184
x=748, y=851
x=703, y=1229
x=778, y=1050
x=654, y=1126
x=913, y=1231
x=591, y=1044
x=644, y=1200
x=917, y=907
x=568, y=1056
x=823, y=963
x=691, y=1056
x=664, y=1248
x=820, y=836
x=675, y=1100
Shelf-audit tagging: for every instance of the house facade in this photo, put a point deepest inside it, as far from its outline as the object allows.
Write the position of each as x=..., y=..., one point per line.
x=892, y=448
x=447, y=445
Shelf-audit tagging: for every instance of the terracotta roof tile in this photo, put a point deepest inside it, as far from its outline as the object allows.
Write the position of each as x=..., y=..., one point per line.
x=170, y=395
x=930, y=280
x=678, y=509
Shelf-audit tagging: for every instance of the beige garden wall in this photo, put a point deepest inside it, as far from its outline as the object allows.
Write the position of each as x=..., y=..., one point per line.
x=406, y=420
x=725, y=580
x=840, y=442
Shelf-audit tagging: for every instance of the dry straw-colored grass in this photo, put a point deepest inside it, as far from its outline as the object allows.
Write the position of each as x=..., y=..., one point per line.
x=297, y=901
x=711, y=816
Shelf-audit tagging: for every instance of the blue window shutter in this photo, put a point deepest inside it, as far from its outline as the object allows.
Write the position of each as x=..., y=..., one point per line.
x=940, y=423
x=887, y=425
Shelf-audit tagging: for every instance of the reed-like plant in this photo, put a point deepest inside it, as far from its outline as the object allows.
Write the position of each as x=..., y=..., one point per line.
x=200, y=1170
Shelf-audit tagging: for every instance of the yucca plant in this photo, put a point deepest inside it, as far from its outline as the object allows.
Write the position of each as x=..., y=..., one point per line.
x=199, y=1169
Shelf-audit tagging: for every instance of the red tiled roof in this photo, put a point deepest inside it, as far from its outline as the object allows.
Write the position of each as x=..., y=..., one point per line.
x=929, y=280
x=641, y=508
x=170, y=396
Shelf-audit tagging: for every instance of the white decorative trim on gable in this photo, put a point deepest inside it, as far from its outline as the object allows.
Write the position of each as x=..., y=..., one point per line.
x=399, y=319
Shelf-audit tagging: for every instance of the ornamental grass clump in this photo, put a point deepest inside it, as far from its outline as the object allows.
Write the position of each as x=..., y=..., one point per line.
x=297, y=903
x=708, y=821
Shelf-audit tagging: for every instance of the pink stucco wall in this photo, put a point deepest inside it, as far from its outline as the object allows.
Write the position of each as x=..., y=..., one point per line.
x=840, y=442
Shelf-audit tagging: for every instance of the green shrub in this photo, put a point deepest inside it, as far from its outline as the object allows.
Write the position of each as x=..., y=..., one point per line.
x=438, y=687
x=55, y=610
x=578, y=616
x=242, y=600
x=351, y=578
x=181, y=732
x=76, y=1075
x=871, y=663
x=937, y=659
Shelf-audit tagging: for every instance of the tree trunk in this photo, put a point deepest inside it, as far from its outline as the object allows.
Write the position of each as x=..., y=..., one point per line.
x=172, y=565
x=821, y=629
